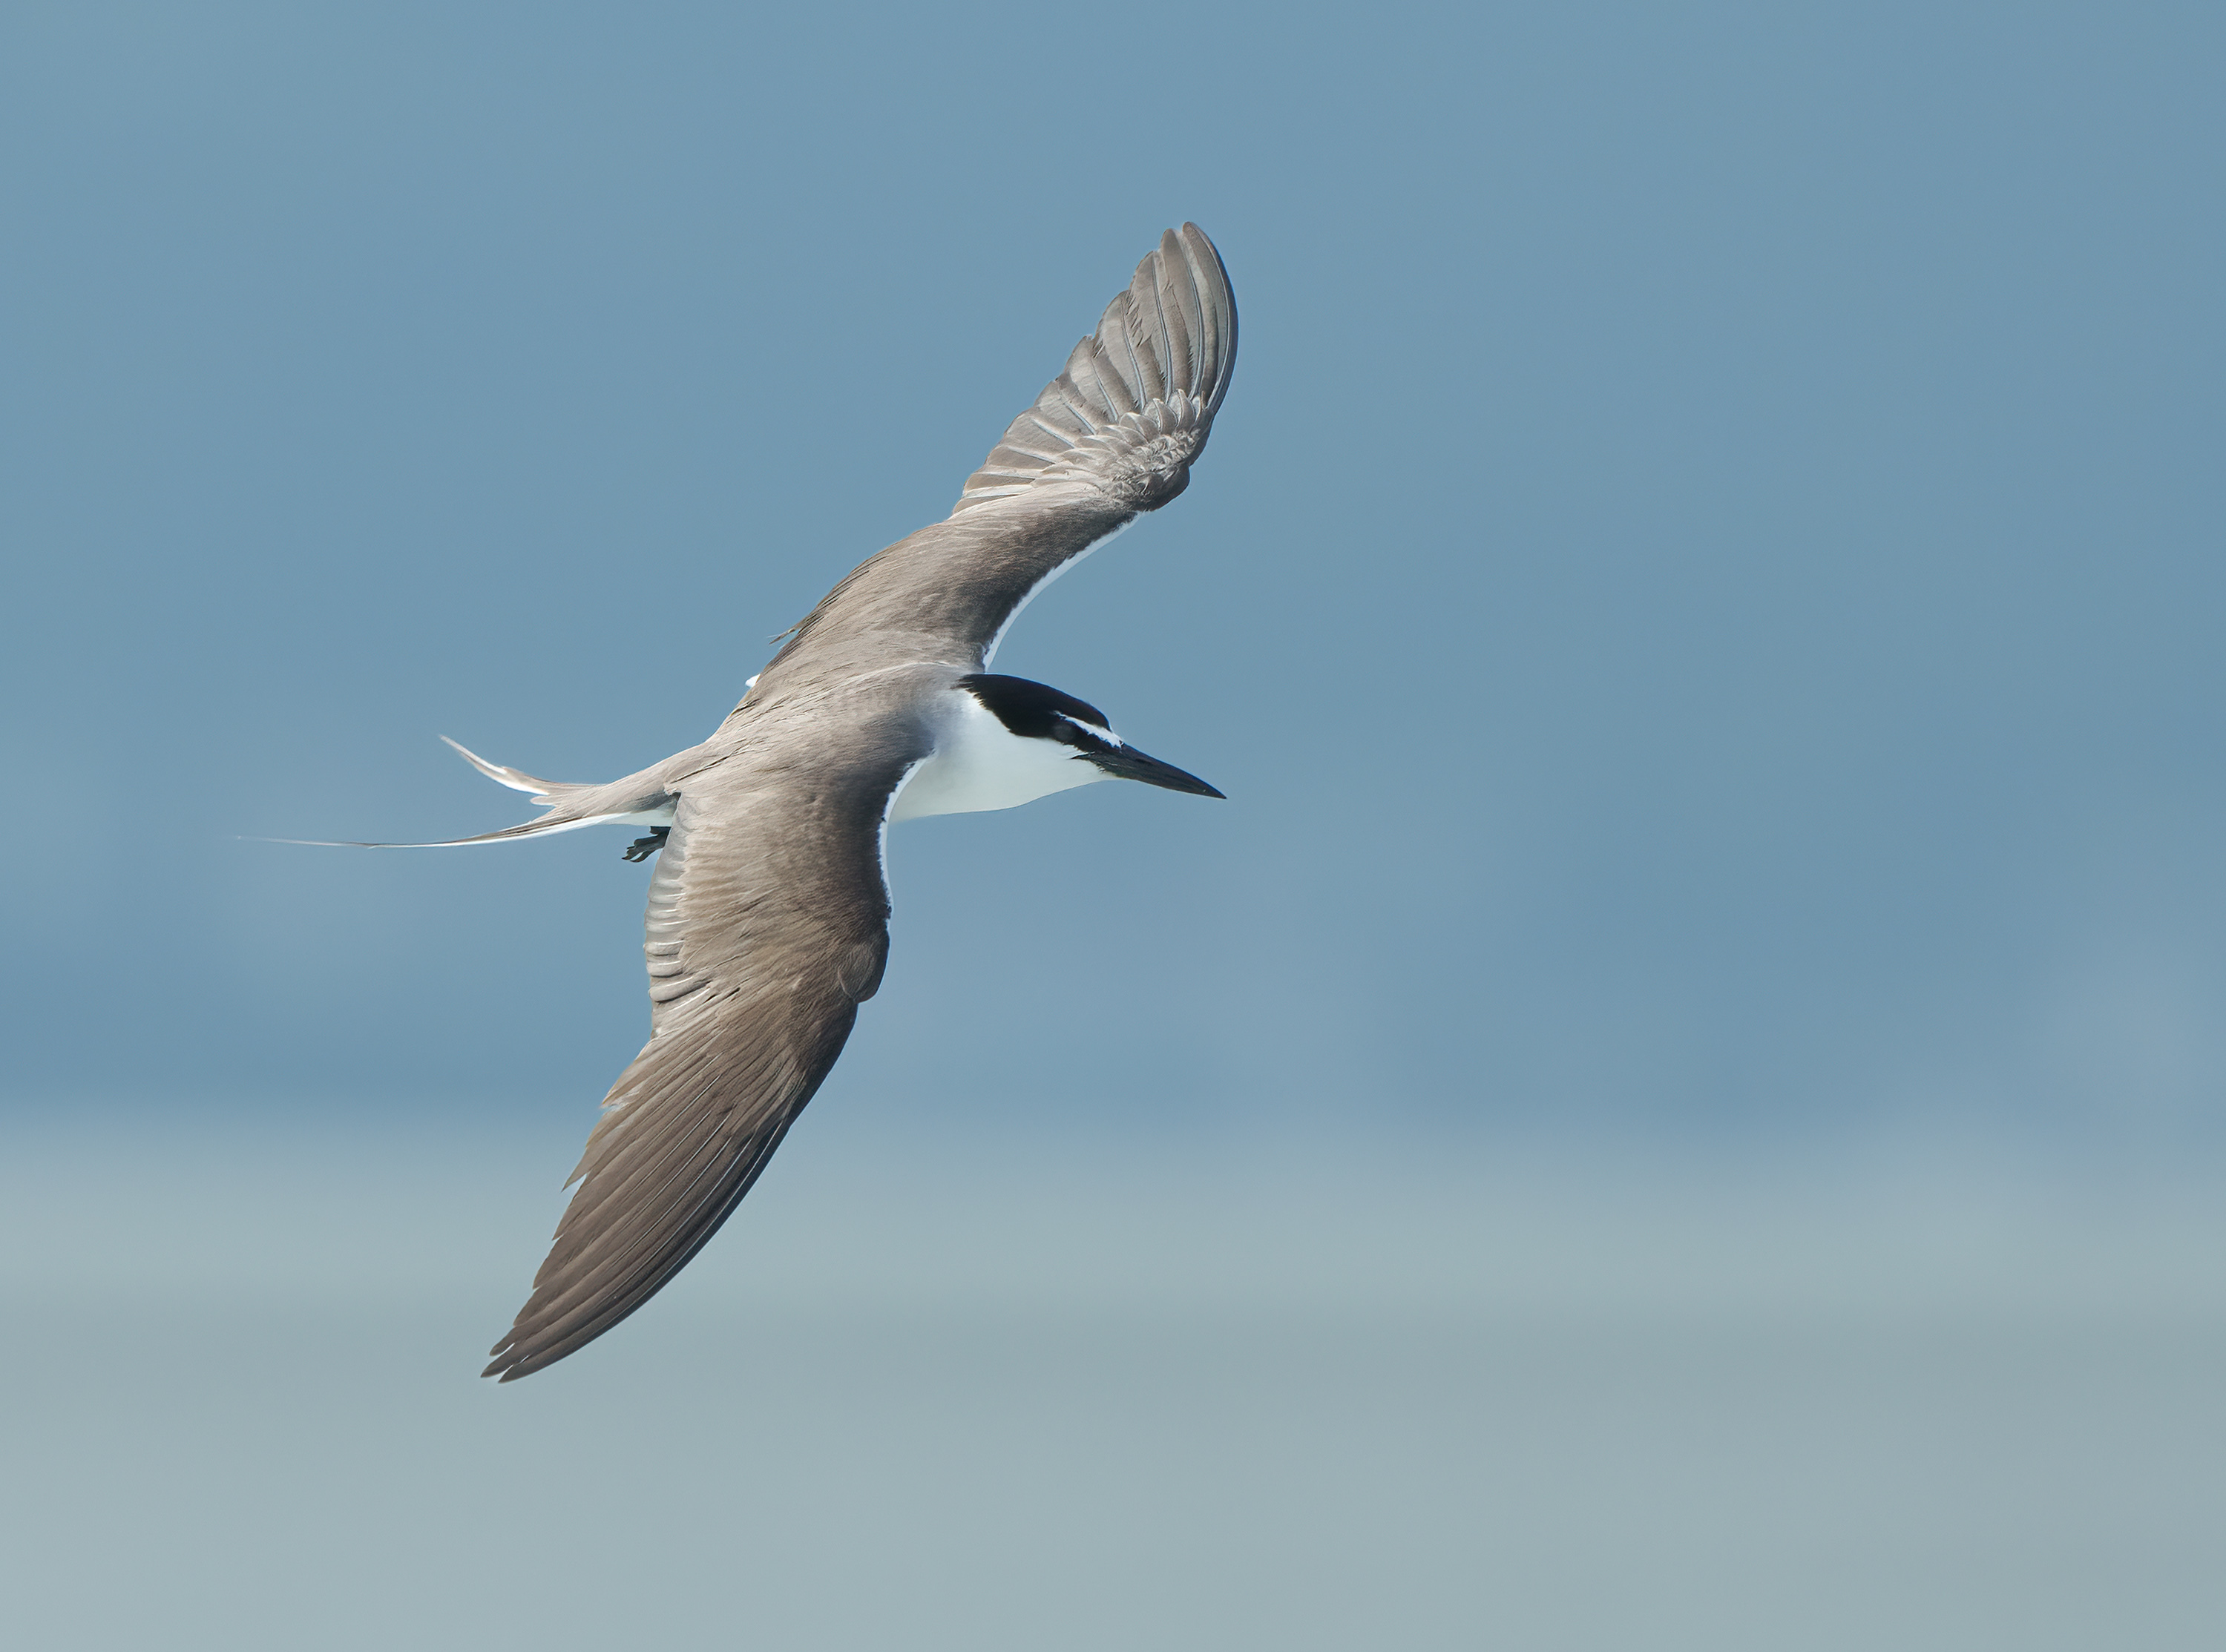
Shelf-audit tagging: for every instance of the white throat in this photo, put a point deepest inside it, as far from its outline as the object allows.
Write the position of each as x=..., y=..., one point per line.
x=980, y=764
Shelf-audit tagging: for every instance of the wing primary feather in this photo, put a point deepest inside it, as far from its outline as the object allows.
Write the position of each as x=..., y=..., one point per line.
x=1218, y=304
x=1137, y=399
x=1182, y=280
x=1174, y=328
x=521, y=1354
x=613, y=1272
x=1146, y=332
x=515, y=1361
x=1107, y=348
x=633, y=1172
x=615, y=1284
x=1088, y=384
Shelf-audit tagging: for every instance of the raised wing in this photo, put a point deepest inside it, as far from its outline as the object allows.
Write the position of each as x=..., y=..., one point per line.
x=1115, y=434
x=767, y=927
x=1137, y=399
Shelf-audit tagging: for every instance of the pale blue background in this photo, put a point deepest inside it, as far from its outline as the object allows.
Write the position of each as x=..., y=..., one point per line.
x=1678, y=1103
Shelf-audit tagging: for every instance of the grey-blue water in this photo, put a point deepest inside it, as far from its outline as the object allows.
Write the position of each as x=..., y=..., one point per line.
x=1060, y=1394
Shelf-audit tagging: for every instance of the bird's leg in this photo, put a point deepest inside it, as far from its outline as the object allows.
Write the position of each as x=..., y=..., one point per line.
x=643, y=847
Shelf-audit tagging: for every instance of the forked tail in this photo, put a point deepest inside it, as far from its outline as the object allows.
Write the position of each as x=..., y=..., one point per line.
x=571, y=805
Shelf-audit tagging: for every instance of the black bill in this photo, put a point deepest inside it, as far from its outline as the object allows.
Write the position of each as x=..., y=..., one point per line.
x=1129, y=763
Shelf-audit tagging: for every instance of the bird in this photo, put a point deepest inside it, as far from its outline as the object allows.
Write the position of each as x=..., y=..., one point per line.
x=768, y=905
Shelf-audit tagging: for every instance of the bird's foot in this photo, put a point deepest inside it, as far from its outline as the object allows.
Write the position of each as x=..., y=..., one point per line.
x=643, y=847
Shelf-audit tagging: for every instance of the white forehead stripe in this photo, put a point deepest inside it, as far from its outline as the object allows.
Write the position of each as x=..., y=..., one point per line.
x=1105, y=734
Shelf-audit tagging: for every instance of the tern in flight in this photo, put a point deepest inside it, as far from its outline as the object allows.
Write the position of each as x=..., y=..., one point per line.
x=769, y=904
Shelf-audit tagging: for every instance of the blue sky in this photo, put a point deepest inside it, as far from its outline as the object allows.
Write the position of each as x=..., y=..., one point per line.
x=1703, y=596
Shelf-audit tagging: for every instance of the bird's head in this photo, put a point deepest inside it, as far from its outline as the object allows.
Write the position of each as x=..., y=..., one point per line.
x=1033, y=711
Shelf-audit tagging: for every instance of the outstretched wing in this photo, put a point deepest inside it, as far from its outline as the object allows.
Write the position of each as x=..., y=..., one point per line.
x=1138, y=396
x=767, y=927
x=1115, y=434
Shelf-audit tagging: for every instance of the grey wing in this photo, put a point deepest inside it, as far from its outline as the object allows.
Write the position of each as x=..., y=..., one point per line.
x=1138, y=400
x=1115, y=434
x=767, y=927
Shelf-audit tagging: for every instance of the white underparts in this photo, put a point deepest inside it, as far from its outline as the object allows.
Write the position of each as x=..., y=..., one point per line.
x=979, y=764
x=888, y=813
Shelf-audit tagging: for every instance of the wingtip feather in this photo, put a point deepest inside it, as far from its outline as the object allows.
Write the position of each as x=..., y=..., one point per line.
x=1160, y=363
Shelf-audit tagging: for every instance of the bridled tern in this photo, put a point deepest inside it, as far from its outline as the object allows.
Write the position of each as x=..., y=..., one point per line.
x=768, y=906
